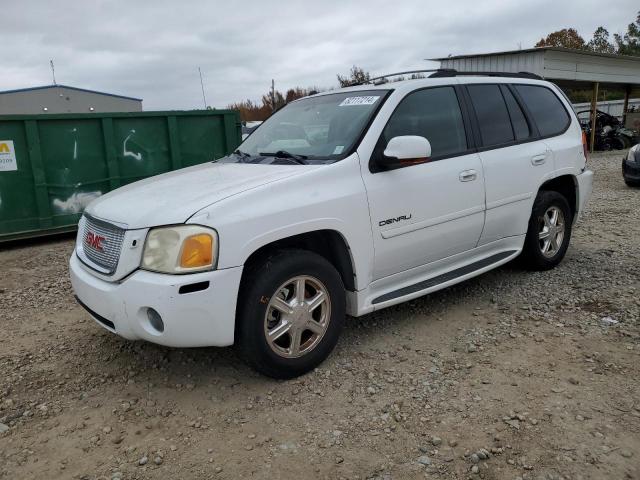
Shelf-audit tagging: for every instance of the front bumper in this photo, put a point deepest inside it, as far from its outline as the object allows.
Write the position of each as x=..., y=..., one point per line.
x=197, y=319
x=585, y=187
x=630, y=170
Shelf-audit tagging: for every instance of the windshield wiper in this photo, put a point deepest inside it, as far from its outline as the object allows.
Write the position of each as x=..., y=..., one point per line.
x=284, y=154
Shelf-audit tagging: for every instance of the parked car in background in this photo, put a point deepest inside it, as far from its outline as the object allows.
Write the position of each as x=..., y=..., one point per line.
x=345, y=202
x=631, y=167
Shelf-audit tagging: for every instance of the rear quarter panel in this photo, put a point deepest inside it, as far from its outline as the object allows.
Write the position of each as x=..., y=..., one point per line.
x=568, y=153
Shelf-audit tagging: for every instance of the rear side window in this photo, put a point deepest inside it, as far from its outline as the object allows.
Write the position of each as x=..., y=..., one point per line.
x=433, y=113
x=491, y=112
x=518, y=120
x=546, y=108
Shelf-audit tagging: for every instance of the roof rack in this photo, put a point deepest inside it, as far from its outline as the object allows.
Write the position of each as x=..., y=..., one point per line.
x=455, y=73
x=448, y=72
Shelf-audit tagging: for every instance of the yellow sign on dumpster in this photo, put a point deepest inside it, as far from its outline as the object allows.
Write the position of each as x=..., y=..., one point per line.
x=7, y=156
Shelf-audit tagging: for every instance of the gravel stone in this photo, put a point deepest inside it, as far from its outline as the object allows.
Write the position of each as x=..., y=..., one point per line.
x=516, y=362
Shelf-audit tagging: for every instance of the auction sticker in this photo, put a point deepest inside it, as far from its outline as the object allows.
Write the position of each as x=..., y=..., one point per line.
x=7, y=156
x=370, y=100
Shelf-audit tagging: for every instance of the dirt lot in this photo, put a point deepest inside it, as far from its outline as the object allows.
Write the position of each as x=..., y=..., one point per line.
x=512, y=375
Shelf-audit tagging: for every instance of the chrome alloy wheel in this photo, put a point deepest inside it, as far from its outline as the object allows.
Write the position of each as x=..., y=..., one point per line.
x=297, y=316
x=551, y=231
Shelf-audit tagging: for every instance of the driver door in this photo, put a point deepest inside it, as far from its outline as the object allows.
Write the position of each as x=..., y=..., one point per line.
x=426, y=212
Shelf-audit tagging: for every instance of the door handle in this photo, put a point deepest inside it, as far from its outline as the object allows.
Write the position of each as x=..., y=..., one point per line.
x=468, y=175
x=539, y=159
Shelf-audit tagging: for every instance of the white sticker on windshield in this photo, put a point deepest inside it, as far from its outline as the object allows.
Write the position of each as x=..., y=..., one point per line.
x=359, y=101
x=338, y=150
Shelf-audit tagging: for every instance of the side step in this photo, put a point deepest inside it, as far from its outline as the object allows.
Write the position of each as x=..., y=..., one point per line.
x=445, y=277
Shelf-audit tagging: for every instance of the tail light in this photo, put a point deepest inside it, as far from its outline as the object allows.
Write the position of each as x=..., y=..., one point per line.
x=585, y=146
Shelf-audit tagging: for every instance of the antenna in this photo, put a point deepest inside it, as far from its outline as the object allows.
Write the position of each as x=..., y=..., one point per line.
x=204, y=99
x=53, y=71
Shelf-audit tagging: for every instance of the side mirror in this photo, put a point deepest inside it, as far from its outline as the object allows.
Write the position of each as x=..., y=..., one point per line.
x=405, y=150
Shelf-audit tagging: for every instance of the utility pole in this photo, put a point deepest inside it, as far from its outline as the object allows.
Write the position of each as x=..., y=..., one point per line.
x=273, y=95
x=204, y=99
x=53, y=71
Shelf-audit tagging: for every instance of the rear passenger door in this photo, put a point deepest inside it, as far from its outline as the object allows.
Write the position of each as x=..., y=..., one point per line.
x=514, y=158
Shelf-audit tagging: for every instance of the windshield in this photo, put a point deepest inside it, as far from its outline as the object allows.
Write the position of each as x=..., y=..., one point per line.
x=325, y=127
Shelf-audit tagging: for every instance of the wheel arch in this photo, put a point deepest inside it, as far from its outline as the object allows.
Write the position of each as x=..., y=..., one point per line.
x=567, y=186
x=327, y=243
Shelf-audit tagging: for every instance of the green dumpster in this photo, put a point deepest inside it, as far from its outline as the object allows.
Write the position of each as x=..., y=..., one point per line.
x=52, y=166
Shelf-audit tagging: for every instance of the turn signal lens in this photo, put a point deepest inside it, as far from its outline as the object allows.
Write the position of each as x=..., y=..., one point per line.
x=197, y=251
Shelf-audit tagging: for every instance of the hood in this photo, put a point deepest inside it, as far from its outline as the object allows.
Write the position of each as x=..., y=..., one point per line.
x=175, y=196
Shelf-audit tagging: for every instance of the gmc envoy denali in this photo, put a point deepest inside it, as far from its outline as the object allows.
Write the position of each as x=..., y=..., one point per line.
x=341, y=203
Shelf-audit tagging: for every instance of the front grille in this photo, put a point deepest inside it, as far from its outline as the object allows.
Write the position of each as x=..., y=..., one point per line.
x=101, y=242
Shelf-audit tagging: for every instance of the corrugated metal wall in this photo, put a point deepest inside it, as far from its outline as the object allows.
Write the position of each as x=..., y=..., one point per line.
x=520, y=62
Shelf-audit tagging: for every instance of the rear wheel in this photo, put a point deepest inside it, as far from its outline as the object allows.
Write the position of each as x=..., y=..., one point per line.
x=291, y=311
x=549, y=231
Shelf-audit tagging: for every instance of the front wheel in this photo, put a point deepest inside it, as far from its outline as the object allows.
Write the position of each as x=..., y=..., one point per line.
x=549, y=231
x=291, y=311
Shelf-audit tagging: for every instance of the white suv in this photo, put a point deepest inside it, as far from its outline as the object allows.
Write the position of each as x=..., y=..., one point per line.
x=341, y=203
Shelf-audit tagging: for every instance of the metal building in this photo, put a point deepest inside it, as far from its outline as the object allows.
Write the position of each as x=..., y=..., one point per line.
x=569, y=69
x=64, y=99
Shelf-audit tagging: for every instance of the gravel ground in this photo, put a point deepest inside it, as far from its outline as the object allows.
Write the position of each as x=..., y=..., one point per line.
x=512, y=375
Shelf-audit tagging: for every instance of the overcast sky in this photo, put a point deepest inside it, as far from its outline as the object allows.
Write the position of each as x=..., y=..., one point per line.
x=152, y=49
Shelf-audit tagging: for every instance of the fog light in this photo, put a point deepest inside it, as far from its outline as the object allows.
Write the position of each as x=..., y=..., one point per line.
x=155, y=320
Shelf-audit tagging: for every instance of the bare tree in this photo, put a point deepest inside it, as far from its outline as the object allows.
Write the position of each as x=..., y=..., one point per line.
x=356, y=75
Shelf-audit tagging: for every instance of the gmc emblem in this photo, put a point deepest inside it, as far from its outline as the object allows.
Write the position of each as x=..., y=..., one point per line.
x=94, y=241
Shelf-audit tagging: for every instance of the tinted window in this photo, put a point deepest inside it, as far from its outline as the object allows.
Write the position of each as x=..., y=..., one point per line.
x=518, y=120
x=492, y=114
x=433, y=113
x=546, y=108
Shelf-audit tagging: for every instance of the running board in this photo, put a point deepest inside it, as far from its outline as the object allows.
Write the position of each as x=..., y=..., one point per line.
x=445, y=277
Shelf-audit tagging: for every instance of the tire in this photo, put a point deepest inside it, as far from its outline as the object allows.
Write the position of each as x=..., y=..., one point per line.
x=533, y=254
x=632, y=183
x=259, y=312
x=617, y=143
x=626, y=142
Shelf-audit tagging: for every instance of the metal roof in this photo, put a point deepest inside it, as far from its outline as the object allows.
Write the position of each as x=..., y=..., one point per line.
x=540, y=49
x=28, y=89
x=572, y=68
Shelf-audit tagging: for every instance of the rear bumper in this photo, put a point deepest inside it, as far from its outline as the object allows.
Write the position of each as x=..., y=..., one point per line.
x=585, y=187
x=201, y=318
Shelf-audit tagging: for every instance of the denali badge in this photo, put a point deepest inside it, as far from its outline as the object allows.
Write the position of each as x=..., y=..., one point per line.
x=94, y=241
x=401, y=218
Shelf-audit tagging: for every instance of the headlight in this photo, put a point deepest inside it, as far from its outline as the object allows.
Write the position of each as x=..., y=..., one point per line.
x=180, y=249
